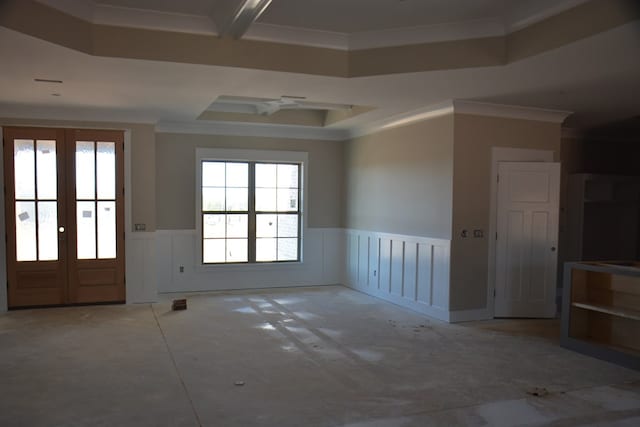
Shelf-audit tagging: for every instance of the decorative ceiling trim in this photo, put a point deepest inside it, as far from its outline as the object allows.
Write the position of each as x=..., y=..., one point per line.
x=510, y=111
x=36, y=19
x=299, y=36
x=404, y=119
x=103, y=14
x=462, y=107
x=253, y=130
x=557, y=8
x=427, y=34
x=153, y=20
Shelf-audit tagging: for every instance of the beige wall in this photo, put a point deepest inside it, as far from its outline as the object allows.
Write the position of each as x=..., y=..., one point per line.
x=175, y=175
x=474, y=137
x=143, y=191
x=399, y=180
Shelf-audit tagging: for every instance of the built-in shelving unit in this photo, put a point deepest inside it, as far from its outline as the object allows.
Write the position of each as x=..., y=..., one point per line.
x=603, y=220
x=601, y=310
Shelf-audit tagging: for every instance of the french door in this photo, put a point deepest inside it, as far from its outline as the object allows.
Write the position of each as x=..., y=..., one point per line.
x=64, y=215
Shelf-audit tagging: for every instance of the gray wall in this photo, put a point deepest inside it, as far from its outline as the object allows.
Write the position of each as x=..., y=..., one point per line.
x=474, y=137
x=400, y=180
x=175, y=175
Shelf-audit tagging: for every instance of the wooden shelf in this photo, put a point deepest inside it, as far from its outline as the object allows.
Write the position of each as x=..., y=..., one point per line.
x=614, y=311
x=601, y=310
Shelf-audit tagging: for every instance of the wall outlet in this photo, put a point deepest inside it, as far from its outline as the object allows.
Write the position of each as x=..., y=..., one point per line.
x=181, y=269
x=478, y=233
x=375, y=272
x=140, y=227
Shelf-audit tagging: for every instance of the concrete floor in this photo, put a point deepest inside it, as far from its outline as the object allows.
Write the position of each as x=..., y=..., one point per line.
x=307, y=357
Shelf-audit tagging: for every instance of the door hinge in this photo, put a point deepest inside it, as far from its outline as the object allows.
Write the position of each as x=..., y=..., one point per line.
x=496, y=235
x=494, y=293
x=498, y=178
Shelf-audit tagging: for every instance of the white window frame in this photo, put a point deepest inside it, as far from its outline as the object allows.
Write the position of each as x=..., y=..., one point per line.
x=241, y=155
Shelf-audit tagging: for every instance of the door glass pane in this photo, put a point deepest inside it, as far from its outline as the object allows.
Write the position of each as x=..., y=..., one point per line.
x=26, y=231
x=266, y=249
x=266, y=225
x=288, y=176
x=86, y=223
x=85, y=170
x=213, y=250
x=214, y=226
x=237, y=250
x=106, y=162
x=265, y=175
x=237, y=226
x=287, y=249
x=46, y=170
x=24, y=166
x=266, y=199
x=213, y=174
x=106, y=230
x=237, y=175
x=287, y=225
x=287, y=199
x=48, y=231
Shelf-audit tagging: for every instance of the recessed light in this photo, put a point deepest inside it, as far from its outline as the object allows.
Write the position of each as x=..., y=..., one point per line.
x=47, y=81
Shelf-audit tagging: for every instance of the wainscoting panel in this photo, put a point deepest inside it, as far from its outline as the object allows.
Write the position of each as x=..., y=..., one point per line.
x=179, y=270
x=409, y=271
x=140, y=268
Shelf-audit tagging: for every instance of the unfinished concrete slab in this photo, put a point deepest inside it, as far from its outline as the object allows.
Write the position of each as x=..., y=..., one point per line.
x=324, y=356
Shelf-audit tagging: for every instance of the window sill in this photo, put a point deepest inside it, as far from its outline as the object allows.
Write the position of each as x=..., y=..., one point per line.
x=249, y=267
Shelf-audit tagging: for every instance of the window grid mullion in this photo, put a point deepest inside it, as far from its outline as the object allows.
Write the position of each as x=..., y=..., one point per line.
x=252, y=214
x=36, y=192
x=252, y=241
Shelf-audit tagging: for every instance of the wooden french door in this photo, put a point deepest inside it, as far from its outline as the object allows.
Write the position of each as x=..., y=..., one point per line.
x=64, y=212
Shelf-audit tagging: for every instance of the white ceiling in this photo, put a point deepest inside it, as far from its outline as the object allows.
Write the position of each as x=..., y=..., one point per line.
x=596, y=77
x=336, y=24
x=349, y=16
x=352, y=16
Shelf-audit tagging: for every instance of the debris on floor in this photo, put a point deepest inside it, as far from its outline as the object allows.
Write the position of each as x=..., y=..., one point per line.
x=538, y=391
x=179, y=304
x=239, y=383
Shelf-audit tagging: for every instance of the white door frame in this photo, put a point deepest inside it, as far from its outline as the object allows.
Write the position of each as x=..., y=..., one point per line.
x=504, y=154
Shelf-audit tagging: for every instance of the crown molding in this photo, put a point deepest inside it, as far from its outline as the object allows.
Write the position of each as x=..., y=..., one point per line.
x=298, y=36
x=427, y=34
x=404, y=119
x=462, y=107
x=252, y=130
x=510, y=111
x=557, y=8
x=153, y=20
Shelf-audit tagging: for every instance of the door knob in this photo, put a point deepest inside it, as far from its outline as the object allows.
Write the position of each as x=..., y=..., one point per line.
x=553, y=248
x=61, y=229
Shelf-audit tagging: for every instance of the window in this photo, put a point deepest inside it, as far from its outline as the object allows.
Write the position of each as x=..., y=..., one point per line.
x=250, y=211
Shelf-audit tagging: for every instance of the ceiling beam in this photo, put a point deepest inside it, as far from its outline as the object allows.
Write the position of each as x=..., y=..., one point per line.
x=234, y=17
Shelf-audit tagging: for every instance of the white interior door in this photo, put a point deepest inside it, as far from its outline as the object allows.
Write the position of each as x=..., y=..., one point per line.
x=526, y=255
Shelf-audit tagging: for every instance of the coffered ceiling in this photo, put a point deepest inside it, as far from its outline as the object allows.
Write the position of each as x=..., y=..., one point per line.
x=161, y=62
